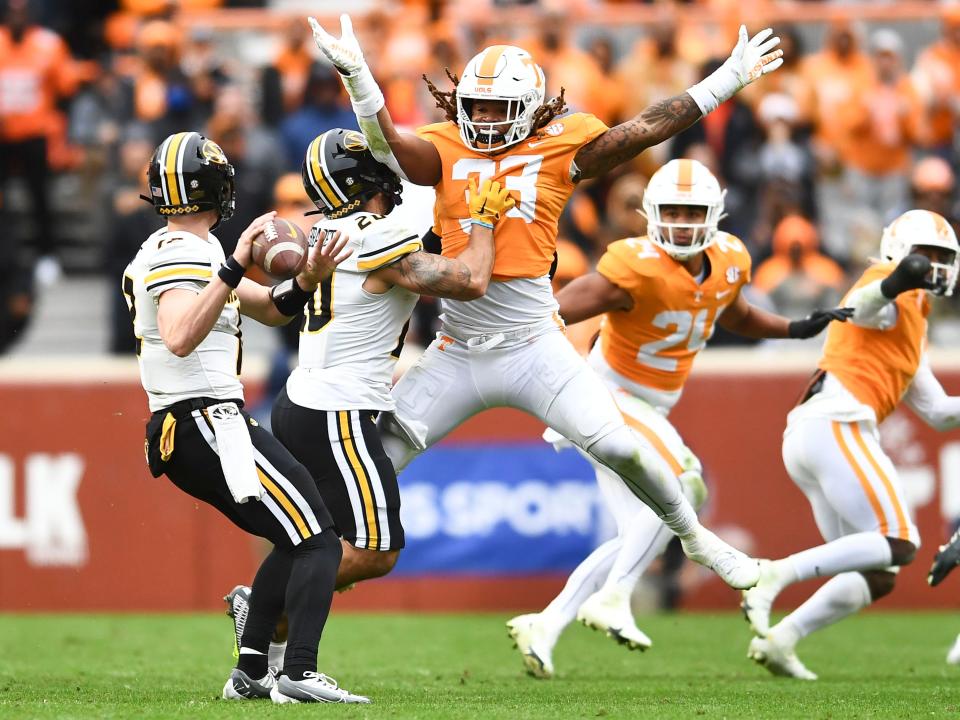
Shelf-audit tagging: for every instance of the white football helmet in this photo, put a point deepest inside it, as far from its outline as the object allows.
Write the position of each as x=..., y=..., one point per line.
x=923, y=228
x=683, y=182
x=501, y=72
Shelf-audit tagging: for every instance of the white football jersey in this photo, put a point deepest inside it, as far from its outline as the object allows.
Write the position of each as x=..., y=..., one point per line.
x=170, y=260
x=350, y=338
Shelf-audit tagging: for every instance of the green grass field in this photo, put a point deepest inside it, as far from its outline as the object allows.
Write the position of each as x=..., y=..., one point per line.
x=463, y=666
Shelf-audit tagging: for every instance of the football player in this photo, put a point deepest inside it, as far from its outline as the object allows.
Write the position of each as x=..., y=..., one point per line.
x=185, y=300
x=352, y=331
x=661, y=296
x=831, y=447
x=507, y=348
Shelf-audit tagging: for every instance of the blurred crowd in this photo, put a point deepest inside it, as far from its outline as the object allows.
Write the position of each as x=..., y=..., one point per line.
x=857, y=126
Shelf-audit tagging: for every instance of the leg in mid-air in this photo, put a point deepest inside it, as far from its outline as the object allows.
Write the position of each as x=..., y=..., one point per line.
x=861, y=512
x=946, y=559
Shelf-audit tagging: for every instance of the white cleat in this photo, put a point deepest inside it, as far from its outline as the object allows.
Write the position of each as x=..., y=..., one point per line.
x=530, y=639
x=779, y=659
x=953, y=657
x=610, y=612
x=736, y=569
x=315, y=687
x=758, y=600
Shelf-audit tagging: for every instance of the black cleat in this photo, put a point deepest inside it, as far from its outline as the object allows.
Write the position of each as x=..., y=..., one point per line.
x=240, y=686
x=946, y=559
x=238, y=605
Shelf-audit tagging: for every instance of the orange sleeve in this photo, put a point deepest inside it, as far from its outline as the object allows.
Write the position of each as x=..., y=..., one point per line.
x=616, y=266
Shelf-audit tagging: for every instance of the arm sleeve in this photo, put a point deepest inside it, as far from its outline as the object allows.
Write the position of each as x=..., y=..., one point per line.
x=180, y=263
x=871, y=308
x=927, y=398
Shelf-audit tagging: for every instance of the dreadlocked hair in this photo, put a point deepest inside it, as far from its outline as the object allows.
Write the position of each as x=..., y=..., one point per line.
x=447, y=101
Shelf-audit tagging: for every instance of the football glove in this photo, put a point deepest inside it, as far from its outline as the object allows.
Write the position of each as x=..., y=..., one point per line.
x=488, y=203
x=345, y=53
x=946, y=559
x=815, y=322
x=750, y=59
x=911, y=273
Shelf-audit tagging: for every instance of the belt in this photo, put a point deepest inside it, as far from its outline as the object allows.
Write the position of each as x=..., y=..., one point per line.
x=185, y=407
x=814, y=386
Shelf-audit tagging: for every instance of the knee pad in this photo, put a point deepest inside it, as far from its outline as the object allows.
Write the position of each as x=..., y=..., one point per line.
x=694, y=488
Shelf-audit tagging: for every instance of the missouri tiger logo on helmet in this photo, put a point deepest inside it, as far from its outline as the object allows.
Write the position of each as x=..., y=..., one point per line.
x=683, y=182
x=190, y=174
x=340, y=174
x=924, y=228
x=502, y=73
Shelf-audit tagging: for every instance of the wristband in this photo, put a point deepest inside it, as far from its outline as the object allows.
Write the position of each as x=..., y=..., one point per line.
x=289, y=298
x=365, y=95
x=718, y=87
x=231, y=272
x=482, y=223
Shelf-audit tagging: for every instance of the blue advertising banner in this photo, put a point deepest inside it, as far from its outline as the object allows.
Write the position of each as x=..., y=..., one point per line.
x=499, y=509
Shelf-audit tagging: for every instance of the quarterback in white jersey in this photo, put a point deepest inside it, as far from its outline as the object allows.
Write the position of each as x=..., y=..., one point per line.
x=507, y=349
x=185, y=300
x=351, y=335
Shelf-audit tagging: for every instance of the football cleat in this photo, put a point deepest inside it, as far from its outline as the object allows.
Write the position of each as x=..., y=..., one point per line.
x=530, y=639
x=953, y=656
x=758, y=600
x=736, y=569
x=241, y=686
x=946, y=559
x=610, y=613
x=315, y=687
x=238, y=606
x=779, y=658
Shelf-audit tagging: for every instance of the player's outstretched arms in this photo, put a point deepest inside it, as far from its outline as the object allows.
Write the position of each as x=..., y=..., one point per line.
x=927, y=398
x=465, y=277
x=591, y=295
x=411, y=157
x=185, y=318
x=750, y=59
x=279, y=304
x=946, y=559
x=750, y=321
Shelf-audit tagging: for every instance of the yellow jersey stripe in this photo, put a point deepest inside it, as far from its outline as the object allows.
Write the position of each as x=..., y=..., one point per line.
x=375, y=262
x=170, y=167
x=185, y=271
x=369, y=510
x=284, y=501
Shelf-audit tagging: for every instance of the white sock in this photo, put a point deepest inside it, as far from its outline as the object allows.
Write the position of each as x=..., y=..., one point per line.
x=839, y=597
x=585, y=580
x=682, y=520
x=862, y=551
x=645, y=539
x=275, y=655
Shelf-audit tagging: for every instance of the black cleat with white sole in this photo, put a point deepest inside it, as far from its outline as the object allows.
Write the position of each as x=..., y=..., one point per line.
x=241, y=686
x=946, y=559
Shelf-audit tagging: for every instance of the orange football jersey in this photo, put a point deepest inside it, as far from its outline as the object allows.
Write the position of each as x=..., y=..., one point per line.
x=877, y=366
x=536, y=171
x=654, y=343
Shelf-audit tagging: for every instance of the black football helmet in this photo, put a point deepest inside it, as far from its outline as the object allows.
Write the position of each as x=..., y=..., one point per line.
x=340, y=174
x=189, y=174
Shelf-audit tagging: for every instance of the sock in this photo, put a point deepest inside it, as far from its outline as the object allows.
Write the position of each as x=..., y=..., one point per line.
x=839, y=597
x=252, y=662
x=266, y=604
x=309, y=594
x=682, y=520
x=275, y=655
x=644, y=540
x=862, y=551
x=585, y=580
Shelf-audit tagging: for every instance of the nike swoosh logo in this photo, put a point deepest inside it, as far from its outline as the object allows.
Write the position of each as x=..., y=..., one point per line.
x=722, y=294
x=534, y=144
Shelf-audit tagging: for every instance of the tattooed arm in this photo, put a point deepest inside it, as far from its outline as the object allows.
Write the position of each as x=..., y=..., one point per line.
x=462, y=278
x=625, y=141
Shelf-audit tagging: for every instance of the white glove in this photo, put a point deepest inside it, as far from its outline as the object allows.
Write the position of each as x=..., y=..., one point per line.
x=749, y=60
x=347, y=58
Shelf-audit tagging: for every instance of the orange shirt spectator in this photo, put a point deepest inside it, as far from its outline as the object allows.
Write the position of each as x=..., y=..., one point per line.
x=835, y=74
x=293, y=63
x=796, y=252
x=936, y=75
x=35, y=72
x=885, y=117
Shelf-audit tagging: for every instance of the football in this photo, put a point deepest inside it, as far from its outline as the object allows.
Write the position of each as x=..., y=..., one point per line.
x=281, y=249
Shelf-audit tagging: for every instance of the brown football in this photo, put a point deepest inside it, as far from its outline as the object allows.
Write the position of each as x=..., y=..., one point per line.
x=280, y=249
